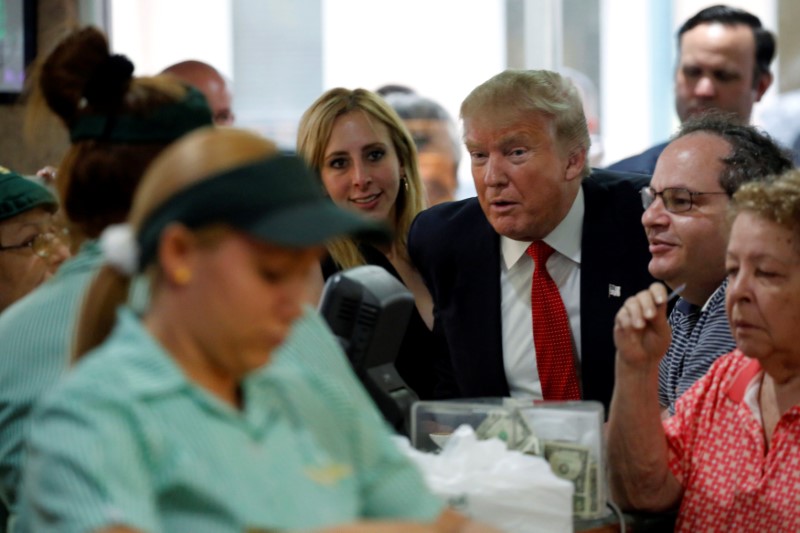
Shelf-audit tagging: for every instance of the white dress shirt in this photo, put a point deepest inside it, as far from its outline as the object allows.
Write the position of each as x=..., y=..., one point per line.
x=516, y=276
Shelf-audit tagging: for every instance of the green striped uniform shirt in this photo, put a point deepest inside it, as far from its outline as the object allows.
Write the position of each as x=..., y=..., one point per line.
x=127, y=439
x=36, y=335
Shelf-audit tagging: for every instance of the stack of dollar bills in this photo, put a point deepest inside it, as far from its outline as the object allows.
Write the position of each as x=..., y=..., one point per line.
x=568, y=460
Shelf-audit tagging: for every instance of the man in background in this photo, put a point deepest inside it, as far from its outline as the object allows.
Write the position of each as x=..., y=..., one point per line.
x=211, y=83
x=438, y=144
x=724, y=63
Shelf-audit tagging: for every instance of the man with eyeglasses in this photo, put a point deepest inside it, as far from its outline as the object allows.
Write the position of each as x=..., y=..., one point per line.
x=31, y=246
x=685, y=219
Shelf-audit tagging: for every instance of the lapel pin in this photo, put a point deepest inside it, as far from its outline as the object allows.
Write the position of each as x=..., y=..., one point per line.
x=614, y=290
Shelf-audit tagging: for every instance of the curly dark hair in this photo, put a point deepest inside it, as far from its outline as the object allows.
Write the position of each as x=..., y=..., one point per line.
x=754, y=156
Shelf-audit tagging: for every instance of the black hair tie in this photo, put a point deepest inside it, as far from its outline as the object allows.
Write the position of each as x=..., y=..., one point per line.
x=109, y=82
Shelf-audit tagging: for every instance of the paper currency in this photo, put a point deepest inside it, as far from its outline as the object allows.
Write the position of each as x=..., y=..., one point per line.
x=595, y=491
x=574, y=462
x=526, y=440
x=497, y=424
x=512, y=429
x=568, y=460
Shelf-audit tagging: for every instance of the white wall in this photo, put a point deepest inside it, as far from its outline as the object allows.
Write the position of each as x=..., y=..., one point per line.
x=157, y=33
x=287, y=53
x=441, y=48
x=626, y=84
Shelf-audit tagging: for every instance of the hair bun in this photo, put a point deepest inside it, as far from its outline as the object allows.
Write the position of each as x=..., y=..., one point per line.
x=109, y=82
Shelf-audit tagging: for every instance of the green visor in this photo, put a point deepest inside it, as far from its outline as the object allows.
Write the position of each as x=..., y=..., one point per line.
x=19, y=194
x=162, y=124
x=276, y=200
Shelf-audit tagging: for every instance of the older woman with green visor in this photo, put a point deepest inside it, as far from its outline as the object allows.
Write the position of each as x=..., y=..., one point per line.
x=32, y=244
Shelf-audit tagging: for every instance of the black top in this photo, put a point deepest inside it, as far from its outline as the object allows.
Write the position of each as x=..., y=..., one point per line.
x=414, y=360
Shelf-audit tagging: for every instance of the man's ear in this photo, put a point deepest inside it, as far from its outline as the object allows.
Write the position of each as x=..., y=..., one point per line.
x=575, y=163
x=763, y=84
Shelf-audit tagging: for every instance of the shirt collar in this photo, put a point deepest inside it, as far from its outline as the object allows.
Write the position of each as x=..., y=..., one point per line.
x=716, y=295
x=685, y=307
x=150, y=370
x=747, y=375
x=565, y=238
x=89, y=257
x=688, y=308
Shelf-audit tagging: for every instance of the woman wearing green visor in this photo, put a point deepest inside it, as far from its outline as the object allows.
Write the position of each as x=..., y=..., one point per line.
x=226, y=406
x=32, y=246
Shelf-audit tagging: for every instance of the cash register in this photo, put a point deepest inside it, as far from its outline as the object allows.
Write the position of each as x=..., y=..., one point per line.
x=368, y=310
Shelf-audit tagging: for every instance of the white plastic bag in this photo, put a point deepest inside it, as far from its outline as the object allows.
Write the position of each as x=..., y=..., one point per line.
x=515, y=492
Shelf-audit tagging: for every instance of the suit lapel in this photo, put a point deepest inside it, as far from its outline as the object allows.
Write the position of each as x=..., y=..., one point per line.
x=613, y=267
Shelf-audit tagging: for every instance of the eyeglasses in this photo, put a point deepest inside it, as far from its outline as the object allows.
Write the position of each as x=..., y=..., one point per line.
x=675, y=199
x=43, y=244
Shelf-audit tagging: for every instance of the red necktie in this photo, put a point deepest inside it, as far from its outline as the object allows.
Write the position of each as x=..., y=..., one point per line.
x=551, y=335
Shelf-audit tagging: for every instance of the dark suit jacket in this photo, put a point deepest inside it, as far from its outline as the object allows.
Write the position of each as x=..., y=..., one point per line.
x=458, y=254
x=643, y=163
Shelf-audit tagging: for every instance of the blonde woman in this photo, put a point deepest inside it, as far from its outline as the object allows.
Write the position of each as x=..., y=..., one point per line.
x=367, y=162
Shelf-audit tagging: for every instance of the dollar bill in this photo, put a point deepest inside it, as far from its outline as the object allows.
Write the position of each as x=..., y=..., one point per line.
x=497, y=424
x=573, y=462
x=579, y=506
x=568, y=460
x=526, y=439
x=530, y=445
x=594, y=488
x=511, y=428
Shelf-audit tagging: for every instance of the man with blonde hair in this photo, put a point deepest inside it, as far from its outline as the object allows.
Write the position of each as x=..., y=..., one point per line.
x=539, y=203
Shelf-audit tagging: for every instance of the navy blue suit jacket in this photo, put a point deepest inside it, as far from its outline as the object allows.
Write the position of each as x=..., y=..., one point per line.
x=644, y=163
x=458, y=254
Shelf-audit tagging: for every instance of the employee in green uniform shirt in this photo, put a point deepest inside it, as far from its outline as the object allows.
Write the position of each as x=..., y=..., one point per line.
x=173, y=422
x=32, y=246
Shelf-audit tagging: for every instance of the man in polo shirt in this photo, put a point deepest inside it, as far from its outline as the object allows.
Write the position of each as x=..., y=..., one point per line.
x=687, y=227
x=31, y=249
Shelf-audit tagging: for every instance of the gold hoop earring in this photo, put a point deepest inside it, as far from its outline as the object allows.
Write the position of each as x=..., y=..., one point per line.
x=181, y=276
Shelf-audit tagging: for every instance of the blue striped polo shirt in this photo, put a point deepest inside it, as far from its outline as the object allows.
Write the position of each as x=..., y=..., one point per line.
x=699, y=337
